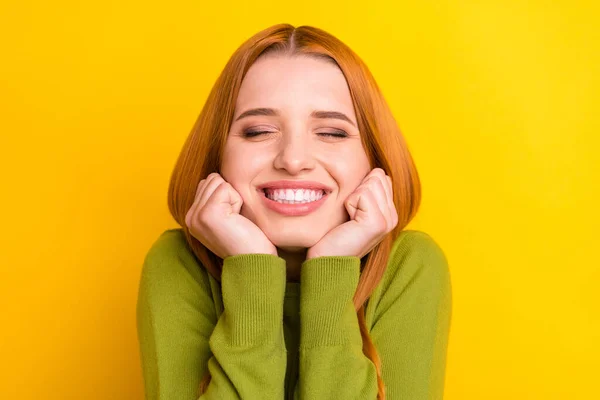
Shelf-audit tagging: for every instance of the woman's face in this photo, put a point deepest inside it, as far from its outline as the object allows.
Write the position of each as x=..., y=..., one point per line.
x=293, y=93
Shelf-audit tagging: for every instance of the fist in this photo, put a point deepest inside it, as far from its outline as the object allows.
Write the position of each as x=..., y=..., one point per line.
x=214, y=219
x=372, y=216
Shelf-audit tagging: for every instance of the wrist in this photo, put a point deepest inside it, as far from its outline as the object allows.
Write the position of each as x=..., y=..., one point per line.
x=310, y=255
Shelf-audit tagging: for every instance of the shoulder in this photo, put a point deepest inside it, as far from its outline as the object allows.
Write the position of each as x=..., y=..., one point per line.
x=417, y=260
x=175, y=301
x=413, y=243
x=170, y=243
x=170, y=265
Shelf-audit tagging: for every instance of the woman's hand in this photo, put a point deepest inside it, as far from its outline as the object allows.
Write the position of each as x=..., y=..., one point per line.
x=372, y=215
x=214, y=219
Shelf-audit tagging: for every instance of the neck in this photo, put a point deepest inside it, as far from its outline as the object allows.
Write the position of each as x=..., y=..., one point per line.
x=293, y=262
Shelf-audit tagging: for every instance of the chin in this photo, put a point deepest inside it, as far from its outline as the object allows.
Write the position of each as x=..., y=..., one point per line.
x=293, y=241
x=295, y=234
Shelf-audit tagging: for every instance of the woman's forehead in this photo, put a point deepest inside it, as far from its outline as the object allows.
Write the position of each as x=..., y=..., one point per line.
x=294, y=83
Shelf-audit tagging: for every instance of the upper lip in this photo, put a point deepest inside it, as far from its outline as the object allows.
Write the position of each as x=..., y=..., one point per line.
x=286, y=184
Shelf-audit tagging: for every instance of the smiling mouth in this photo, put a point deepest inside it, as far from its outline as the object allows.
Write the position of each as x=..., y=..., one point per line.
x=323, y=194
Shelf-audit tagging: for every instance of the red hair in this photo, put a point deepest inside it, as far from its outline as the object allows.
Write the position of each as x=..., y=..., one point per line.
x=381, y=139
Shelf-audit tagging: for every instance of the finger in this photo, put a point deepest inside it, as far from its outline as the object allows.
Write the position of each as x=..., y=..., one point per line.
x=364, y=207
x=386, y=181
x=200, y=188
x=388, y=187
x=380, y=173
x=352, y=202
x=357, y=202
x=364, y=183
x=200, y=184
x=376, y=186
x=371, y=173
x=203, y=192
x=212, y=182
x=226, y=197
x=235, y=199
x=193, y=208
x=391, y=203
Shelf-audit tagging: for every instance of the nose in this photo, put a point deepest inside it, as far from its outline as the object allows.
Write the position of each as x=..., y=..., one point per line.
x=295, y=153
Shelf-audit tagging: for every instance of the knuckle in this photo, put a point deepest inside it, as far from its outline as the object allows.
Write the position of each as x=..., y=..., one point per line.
x=188, y=217
x=222, y=187
x=382, y=224
x=202, y=215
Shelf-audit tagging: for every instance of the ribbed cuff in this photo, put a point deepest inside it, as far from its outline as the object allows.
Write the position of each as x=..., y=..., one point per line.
x=253, y=288
x=327, y=287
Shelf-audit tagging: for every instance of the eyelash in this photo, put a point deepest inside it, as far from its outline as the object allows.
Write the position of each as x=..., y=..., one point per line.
x=340, y=135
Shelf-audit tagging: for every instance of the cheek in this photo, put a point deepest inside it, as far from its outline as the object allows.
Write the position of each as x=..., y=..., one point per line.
x=349, y=175
x=244, y=159
x=235, y=169
x=240, y=171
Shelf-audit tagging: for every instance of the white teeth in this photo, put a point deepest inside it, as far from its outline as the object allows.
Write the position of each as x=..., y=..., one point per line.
x=294, y=196
x=289, y=194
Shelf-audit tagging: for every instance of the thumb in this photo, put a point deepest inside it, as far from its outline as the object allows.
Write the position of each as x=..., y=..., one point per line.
x=352, y=204
x=234, y=199
x=358, y=205
x=226, y=198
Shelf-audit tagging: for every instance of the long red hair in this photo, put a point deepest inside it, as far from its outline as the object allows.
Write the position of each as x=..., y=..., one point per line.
x=381, y=139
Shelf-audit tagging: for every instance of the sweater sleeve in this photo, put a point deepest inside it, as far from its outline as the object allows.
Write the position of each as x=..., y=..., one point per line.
x=180, y=334
x=410, y=325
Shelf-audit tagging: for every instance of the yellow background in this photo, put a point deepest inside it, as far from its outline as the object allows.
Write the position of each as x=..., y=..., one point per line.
x=499, y=102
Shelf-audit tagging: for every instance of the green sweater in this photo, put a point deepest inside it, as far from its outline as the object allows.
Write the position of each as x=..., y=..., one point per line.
x=262, y=337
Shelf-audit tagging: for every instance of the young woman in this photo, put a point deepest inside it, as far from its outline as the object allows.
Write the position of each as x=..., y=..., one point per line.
x=291, y=276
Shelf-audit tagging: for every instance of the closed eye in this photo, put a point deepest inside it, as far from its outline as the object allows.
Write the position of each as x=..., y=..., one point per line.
x=339, y=134
x=255, y=133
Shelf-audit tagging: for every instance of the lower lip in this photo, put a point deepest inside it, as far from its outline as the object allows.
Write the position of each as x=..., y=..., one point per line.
x=293, y=210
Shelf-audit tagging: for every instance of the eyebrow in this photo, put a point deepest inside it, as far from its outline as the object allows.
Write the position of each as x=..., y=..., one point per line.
x=271, y=112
